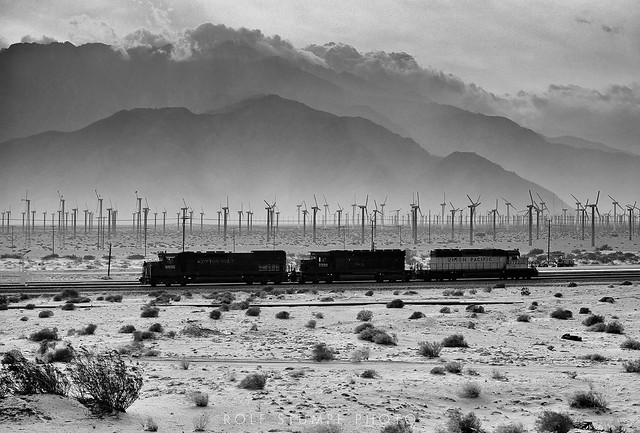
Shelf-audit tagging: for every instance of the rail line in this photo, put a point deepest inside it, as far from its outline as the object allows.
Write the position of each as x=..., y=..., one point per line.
x=546, y=276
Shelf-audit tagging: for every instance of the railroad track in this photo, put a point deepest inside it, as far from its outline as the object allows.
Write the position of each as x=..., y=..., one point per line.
x=546, y=276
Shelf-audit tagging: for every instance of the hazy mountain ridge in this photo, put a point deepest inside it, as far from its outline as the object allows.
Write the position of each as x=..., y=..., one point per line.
x=257, y=149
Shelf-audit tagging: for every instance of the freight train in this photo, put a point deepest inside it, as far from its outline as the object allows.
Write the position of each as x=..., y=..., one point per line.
x=335, y=265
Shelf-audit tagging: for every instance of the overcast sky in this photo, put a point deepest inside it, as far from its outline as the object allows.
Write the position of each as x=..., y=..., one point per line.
x=502, y=46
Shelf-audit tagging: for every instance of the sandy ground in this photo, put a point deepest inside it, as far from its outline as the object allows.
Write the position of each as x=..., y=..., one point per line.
x=539, y=370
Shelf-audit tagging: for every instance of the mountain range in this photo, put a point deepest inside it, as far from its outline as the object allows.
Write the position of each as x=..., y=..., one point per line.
x=327, y=131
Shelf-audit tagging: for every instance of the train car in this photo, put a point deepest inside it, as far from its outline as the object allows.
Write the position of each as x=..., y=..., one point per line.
x=451, y=264
x=335, y=265
x=215, y=267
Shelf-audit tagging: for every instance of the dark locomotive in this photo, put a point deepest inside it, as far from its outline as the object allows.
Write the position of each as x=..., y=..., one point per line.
x=335, y=265
x=216, y=267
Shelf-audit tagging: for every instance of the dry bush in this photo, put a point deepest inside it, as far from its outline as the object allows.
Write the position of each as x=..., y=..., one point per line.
x=588, y=399
x=156, y=327
x=523, y=318
x=321, y=352
x=68, y=307
x=400, y=426
x=200, y=399
x=253, y=381
x=311, y=324
x=201, y=422
x=44, y=334
x=195, y=330
x=614, y=327
x=29, y=378
x=461, y=423
x=30, y=306
x=296, y=374
x=396, y=303
x=594, y=357
x=215, y=314
x=453, y=367
x=377, y=336
x=150, y=312
x=104, y=382
x=561, y=313
x=369, y=374
x=252, y=311
x=90, y=329
x=455, y=340
x=324, y=428
x=598, y=327
x=148, y=424
x=45, y=314
x=184, y=364
x=516, y=427
x=554, y=422
x=282, y=315
x=143, y=335
x=470, y=390
x=318, y=315
x=632, y=366
x=430, y=350
x=113, y=298
x=368, y=293
x=361, y=327
x=498, y=375
x=437, y=370
x=360, y=354
x=416, y=315
x=593, y=319
x=127, y=329
x=584, y=310
x=364, y=315
x=445, y=310
x=631, y=344
x=475, y=308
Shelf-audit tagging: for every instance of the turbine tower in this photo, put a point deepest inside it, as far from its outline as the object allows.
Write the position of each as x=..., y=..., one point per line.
x=363, y=209
x=444, y=205
x=530, y=208
x=315, y=211
x=615, y=215
x=453, y=221
x=225, y=217
x=630, y=208
x=594, y=209
x=326, y=209
x=472, y=211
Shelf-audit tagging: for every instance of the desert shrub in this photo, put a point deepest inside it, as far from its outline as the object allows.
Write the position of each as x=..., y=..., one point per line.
x=252, y=311
x=30, y=306
x=318, y=314
x=200, y=399
x=525, y=291
x=475, y=308
x=498, y=375
x=150, y=312
x=3, y=306
x=148, y=424
x=457, y=292
x=523, y=318
x=104, y=382
x=361, y=327
x=195, y=330
x=588, y=399
x=45, y=314
x=327, y=299
x=360, y=354
x=69, y=293
x=368, y=293
x=253, y=381
x=487, y=289
x=445, y=310
x=631, y=344
x=510, y=428
x=242, y=305
x=594, y=357
x=470, y=390
x=430, y=350
x=201, y=422
x=113, y=298
x=460, y=423
x=78, y=300
x=215, y=314
x=321, y=352
x=68, y=307
x=364, y=315
x=561, y=313
x=593, y=319
x=557, y=295
x=632, y=366
x=184, y=363
x=311, y=324
x=396, y=303
x=453, y=367
x=377, y=336
x=29, y=378
x=369, y=374
x=437, y=370
x=282, y=315
x=584, y=310
x=44, y=334
x=399, y=426
x=143, y=335
x=224, y=307
x=156, y=327
x=598, y=327
x=455, y=340
x=607, y=299
x=555, y=422
x=298, y=373
x=572, y=284
x=614, y=327
x=88, y=330
x=126, y=329
x=416, y=315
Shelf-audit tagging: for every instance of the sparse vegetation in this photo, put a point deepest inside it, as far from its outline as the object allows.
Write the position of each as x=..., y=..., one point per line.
x=524, y=318
x=510, y=428
x=156, y=327
x=430, y=350
x=554, y=422
x=68, y=307
x=437, y=370
x=614, y=327
x=311, y=324
x=360, y=354
x=453, y=367
x=416, y=315
x=321, y=352
x=593, y=319
x=399, y=426
x=252, y=311
x=143, y=335
x=461, y=423
x=150, y=312
x=377, y=336
x=201, y=422
x=596, y=357
x=369, y=374
x=561, y=314
x=598, y=327
x=631, y=344
x=584, y=310
x=45, y=314
x=127, y=329
x=364, y=315
x=445, y=310
x=588, y=399
x=200, y=399
x=396, y=303
x=88, y=330
x=470, y=390
x=44, y=334
x=282, y=315
x=632, y=366
x=148, y=424
x=455, y=340
x=253, y=381
x=215, y=314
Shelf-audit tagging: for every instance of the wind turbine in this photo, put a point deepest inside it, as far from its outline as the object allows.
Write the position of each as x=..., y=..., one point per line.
x=615, y=216
x=530, y=208
x=299, y=206
x=415, y=207
x=630, y=208
x=444, y=205
x=472, y=210
x=453, y=211
x=225, y=216
x=363, y=208
x=374, y=220
x=583, y=210
x=353, y=213
x=339, y=212
x=164, y=220
x=578, y=209
x=494, y=212
x=184, y=221
x=594, y=209
x=315, y=211
x=201, y=218
x=304, y=219
x=326, y=209
x=240, y=213
x=382, y=205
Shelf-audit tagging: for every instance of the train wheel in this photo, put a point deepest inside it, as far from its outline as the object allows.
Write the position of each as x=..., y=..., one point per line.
x=167, y=284
x=183, y=283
